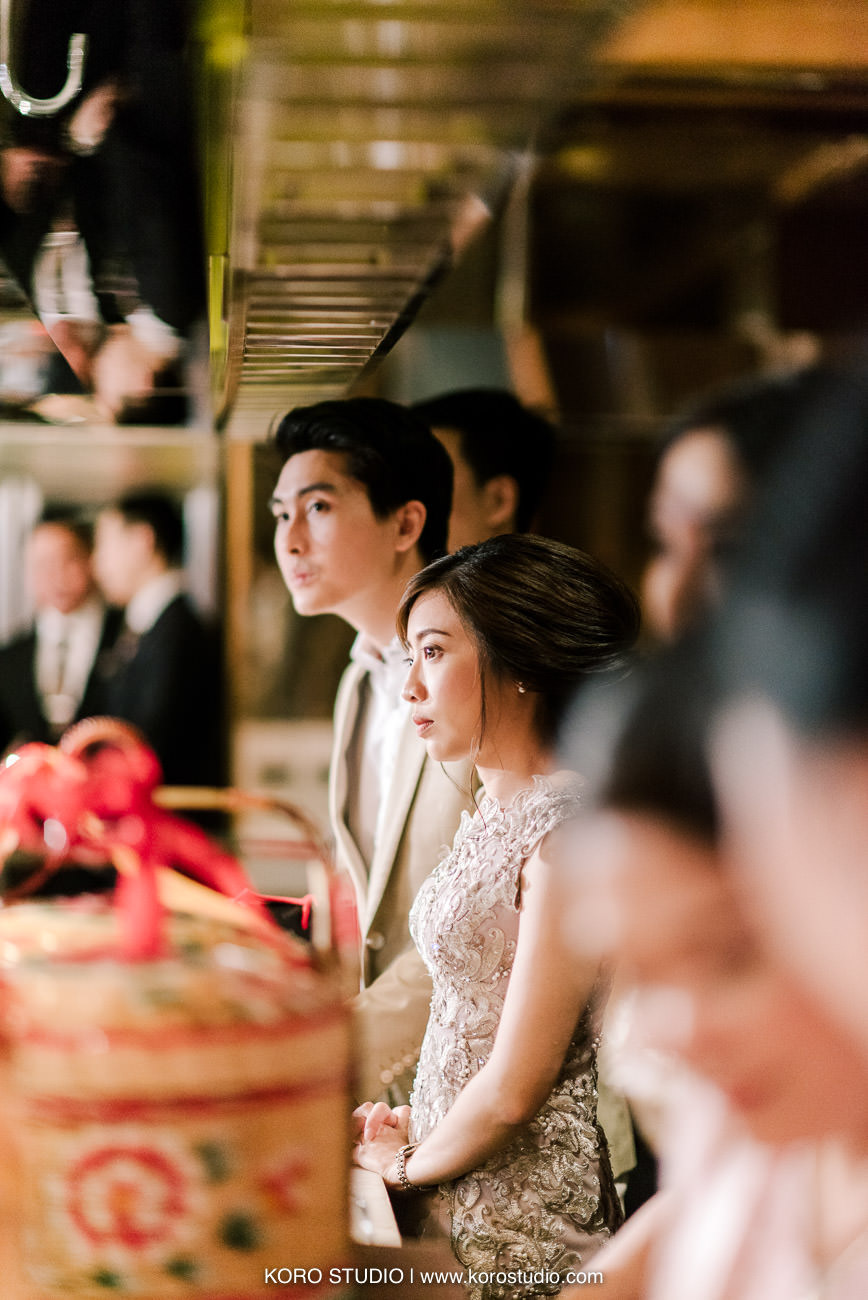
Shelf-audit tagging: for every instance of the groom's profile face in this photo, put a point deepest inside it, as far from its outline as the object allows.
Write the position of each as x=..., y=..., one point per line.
x=330, y=546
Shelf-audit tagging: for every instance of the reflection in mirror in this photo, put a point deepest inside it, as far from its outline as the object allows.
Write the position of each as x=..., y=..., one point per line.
x=50, y=470
x=110, y=599
x=100, y=228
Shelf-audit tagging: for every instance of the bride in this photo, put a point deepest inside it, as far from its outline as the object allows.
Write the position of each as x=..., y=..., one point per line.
x=502, y=1119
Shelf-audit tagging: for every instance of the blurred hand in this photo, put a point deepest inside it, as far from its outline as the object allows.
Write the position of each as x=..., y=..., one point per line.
x=89, y=123
x=122, y=369
x=26, y=175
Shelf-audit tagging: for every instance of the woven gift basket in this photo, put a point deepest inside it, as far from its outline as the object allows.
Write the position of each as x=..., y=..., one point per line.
x=175, y=1070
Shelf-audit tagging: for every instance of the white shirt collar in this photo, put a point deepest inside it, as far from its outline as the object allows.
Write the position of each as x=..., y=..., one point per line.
x=149, y=601
x=52, y=626
x=385, y=663
x=375, y=749
x=66, y=647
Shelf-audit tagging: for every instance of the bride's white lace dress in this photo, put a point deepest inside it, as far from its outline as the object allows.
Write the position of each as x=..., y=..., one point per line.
x=546, y=1202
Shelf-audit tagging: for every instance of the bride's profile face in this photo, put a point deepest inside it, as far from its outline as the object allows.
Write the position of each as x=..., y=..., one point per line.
x=443, y=684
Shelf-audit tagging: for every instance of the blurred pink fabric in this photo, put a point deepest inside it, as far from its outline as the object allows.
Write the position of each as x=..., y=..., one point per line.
x=743, y=1216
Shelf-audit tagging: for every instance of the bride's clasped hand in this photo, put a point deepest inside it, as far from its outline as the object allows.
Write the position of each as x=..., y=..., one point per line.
x=379, y=1132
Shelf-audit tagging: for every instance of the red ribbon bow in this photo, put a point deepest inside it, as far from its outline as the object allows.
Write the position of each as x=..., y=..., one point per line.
x=92, y=799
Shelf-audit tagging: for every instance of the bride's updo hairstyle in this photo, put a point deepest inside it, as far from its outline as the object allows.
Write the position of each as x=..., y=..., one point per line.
x=541, y=614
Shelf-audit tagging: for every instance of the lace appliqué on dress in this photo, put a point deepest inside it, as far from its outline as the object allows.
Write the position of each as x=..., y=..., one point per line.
x=544, y=1203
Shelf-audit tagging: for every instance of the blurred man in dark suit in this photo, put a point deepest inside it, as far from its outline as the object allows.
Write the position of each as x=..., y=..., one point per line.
x=47, y=677
x=162, y=673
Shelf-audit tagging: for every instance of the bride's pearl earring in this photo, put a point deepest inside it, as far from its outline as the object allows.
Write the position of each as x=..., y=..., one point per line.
x=522, y=689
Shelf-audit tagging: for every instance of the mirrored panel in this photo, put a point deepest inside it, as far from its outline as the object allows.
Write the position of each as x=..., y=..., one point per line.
x=58, y=471
x=102, y=296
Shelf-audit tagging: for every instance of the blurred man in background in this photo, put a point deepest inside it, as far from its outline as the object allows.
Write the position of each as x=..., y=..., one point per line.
x=502, y=455
x=162, y=673
x=47, y=677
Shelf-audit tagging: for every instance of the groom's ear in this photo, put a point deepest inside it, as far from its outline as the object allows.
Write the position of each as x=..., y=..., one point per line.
x=410, y=519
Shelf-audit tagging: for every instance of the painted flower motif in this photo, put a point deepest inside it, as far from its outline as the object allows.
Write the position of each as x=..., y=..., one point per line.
x=130, y=1196
x=285, y=1180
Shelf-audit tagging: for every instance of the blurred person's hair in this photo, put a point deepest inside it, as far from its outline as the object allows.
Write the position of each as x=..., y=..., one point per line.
x=794, y=627
x=161, y=514
x=497, y=434
x=640, y=742
x=75, y=523
x=754, y=415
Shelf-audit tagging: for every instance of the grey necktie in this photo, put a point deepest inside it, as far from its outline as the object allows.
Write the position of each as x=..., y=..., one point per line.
x=59, y=704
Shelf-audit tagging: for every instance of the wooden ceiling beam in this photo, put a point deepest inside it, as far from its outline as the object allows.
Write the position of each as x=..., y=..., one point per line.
x=697, y=35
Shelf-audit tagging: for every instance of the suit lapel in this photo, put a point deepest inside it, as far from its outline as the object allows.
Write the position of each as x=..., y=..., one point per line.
x=92, y=700
x=21, y=667
x=113, y=621
x=346, y=850
x=409, y=761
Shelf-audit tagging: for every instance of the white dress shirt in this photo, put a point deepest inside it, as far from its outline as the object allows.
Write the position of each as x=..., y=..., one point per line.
x=375, y=744
x=66, y=647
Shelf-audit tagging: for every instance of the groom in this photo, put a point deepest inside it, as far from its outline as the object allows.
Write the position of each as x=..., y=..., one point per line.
x=361, y=504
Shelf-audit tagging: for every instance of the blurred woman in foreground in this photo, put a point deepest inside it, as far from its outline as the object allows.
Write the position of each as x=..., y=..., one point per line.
x=791, y=753
x=765, y=1153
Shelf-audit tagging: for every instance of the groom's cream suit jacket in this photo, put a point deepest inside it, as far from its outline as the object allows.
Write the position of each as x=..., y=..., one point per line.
x=421, y=814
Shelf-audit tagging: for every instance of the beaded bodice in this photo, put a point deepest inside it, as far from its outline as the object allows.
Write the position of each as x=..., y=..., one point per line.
x=465, y=924
x=537, y=1202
